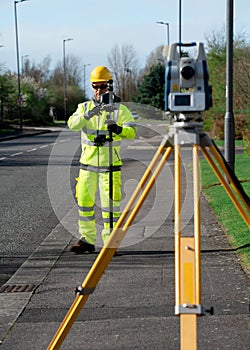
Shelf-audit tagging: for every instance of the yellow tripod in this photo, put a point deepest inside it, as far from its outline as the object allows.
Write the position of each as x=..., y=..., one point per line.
x=187, y=249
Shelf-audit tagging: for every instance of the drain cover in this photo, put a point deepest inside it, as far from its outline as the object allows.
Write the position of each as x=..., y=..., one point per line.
x=13, y=288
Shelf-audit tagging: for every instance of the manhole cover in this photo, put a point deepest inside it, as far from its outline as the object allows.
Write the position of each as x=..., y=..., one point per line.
x=13, y=288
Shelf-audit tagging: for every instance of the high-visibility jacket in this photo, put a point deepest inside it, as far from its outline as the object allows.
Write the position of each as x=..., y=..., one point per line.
x=97, y=157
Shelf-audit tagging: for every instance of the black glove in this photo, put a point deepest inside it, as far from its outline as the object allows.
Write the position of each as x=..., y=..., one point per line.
x=100, y=140
x=94, y=111
x=112, y=126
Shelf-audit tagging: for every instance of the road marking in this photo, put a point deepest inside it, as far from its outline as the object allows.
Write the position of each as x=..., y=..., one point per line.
x=16, y=154
x=34, y=149
x=139, y=148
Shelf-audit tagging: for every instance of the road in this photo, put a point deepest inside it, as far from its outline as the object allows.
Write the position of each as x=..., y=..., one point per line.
x=33, y=171
x=26, y=213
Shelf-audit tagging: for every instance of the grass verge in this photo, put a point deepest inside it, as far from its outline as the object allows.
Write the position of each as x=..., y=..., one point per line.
x=227, y=213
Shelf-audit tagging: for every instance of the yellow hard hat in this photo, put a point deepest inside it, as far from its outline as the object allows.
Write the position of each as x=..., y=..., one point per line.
x=99, y=74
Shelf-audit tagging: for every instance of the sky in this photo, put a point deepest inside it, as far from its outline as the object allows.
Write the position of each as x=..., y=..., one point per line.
x=97, y=26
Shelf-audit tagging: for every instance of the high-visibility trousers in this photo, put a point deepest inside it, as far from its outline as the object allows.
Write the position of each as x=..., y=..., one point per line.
x=86, y=190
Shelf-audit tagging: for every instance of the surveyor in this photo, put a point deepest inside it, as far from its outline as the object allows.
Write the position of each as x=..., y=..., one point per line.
x=103, y=124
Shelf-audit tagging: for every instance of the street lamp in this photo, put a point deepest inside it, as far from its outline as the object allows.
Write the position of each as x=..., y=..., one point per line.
x=1, y=106
x=64, y=80
x=23, y=57
x=180, y=10
x=129, y=71
x=229, y=127
x=166, y=24
x=84, y=77
x=19, y=99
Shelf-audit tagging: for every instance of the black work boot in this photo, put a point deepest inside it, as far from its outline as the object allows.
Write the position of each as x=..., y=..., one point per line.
x=81, y=247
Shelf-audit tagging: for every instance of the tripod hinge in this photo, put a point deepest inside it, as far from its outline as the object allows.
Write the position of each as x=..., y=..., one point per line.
x=84, y=291
x=189, y=309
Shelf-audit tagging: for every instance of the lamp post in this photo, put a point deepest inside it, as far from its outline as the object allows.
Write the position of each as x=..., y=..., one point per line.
x=84, y=77
x=23, y=57
x=1, y=106
x=129, y=71
x=19, y=98
x=229, y=127
x=166, y=24
x=180, y=23
x=64, y=80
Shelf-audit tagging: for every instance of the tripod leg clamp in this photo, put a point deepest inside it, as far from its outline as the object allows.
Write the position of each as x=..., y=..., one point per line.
x=84, y=291
x=189, y=309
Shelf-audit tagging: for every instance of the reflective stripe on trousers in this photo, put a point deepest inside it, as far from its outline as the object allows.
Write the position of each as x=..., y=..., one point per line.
x=87, y=186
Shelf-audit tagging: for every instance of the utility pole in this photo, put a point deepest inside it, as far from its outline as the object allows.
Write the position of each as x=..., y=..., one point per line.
x=23, y=63
x=19, y=98
x=65, y=81
x=1, y=105
x=179, y=21
x=229, y=128
x=84, y=77
x=167, y=26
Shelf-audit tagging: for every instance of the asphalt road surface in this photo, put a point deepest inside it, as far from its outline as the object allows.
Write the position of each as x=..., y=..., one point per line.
x=26, y=213
x=32, y=167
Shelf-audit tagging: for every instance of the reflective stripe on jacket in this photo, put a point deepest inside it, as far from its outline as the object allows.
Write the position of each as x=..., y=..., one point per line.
x=98, y=156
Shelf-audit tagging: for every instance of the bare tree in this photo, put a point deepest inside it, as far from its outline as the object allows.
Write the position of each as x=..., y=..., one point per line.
x=156, y=57
x=124, y=67
x=242, y=78
x=216, y=53
x=74, y=71
x=39, y=72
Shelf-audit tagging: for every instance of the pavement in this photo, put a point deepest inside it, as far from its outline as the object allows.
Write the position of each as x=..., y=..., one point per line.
x=132, y=306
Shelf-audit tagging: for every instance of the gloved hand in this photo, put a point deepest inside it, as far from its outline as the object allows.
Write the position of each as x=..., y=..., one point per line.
x=112, y=126
x=94, y=111
x=100, y=140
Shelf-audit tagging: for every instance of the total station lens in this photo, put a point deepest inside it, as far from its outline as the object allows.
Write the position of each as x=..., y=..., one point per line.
x=187, y=72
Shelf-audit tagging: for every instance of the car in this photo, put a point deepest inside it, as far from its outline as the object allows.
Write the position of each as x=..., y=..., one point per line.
x=135, y=115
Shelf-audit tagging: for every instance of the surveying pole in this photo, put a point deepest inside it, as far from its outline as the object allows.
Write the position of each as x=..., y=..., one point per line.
x=111, y=207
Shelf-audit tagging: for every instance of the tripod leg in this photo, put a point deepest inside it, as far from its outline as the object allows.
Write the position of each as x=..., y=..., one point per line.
x=197, y=222
x=217, y=156
x=188, y=332
x=177, y=220
x=107, y=252
x=227, y=188
x=188, y=318
x=187, y=252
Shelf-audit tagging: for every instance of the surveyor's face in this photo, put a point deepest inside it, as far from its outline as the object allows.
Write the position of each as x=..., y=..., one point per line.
x=99, y=88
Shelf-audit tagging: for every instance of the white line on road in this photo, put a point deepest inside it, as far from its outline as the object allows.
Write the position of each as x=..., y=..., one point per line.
x=16, y=154
x=33, y=149
x=139, y=148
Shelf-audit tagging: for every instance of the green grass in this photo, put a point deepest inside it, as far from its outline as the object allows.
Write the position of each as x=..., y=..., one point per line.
x=226, y=212
x=6, y=131
x=237, y=143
